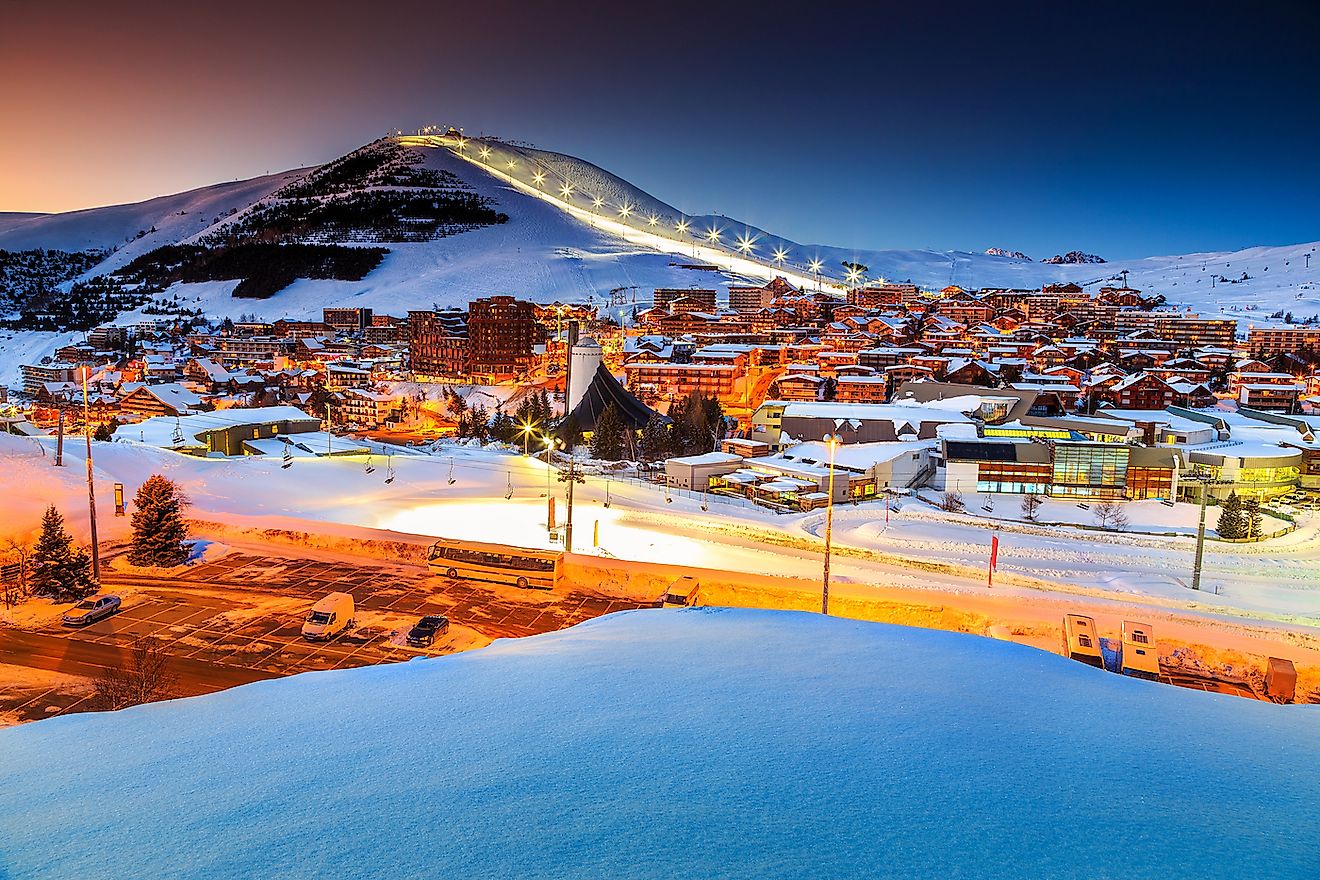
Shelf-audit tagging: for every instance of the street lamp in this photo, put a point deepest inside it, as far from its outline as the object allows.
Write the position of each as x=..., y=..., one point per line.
x=1206, y=481
x=91, y=490
x=527, y=429
x=815, y=267
x=832, y=441
x=485, y=152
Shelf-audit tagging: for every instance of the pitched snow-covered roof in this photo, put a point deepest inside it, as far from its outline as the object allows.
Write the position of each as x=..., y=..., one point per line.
x=604, y=390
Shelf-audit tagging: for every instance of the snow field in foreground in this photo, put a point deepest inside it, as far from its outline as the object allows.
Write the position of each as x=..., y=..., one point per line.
x=694, y=743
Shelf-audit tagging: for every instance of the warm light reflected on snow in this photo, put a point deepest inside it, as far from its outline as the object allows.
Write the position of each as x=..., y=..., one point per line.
x=522, y=523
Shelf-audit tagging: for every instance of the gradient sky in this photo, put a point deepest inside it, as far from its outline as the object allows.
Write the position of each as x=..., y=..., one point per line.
x=1110, y=127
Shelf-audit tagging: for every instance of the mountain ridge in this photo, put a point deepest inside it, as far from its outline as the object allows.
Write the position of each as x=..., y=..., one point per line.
x=582, y=231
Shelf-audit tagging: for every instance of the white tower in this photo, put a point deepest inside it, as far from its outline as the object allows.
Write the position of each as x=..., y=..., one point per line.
x=585, y=358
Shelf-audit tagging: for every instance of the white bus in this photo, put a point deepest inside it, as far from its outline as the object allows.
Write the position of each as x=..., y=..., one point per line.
x=497, y=563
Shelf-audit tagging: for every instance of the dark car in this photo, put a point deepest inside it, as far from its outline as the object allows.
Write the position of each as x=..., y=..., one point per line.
x=91, y=609
x=425, y=630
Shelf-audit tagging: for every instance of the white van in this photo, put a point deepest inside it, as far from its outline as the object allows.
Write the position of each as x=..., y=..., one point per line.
x=328, y=617
x=681, y=593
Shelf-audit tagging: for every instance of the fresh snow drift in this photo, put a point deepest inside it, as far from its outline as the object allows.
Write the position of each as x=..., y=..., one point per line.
x=693, y=743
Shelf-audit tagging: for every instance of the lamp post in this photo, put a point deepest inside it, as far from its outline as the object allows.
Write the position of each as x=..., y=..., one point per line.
x=91, y=487
x=527, y=429
x=1206, y=482
x=832, y=441
x=570, y=478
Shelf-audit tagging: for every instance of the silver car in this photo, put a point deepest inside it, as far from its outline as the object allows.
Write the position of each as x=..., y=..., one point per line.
x=91, y=609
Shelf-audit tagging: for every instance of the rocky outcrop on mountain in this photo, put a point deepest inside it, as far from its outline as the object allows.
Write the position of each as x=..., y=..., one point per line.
x=1001, y=252
x=1073, y=258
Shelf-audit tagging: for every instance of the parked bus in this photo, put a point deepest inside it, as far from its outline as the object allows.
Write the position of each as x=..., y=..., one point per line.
x=496, y=563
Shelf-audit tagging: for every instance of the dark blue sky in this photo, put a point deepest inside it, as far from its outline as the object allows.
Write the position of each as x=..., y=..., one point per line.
x=1124, y=129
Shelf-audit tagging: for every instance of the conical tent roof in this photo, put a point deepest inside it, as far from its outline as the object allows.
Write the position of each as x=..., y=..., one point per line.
x=604, y=390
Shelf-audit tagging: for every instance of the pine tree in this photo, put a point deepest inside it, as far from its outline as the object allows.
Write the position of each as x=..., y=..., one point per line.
x=60, y=571
x=570, y=432
x=1251, y=518
x=655, y=440
x=479, y=423
x=607, y=440
x=1232, y=521
x=159, y=532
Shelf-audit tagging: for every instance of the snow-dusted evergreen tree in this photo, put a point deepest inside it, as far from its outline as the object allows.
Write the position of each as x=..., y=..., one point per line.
x=1251, y=518
x=1232, y=521
x=608, y=441
x=656, y=443
x=60, y=571
x=159, y=532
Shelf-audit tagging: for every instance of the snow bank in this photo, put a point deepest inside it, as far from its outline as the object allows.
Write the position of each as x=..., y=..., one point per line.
x=676, y=744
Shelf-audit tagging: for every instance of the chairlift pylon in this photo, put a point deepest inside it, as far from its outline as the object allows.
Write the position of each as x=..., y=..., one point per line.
x=509, y=493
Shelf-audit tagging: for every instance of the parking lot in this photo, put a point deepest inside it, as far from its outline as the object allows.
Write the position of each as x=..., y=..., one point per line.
x=239, y=618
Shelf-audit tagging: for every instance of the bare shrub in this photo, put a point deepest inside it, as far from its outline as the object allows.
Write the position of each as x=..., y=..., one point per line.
x=143, y=677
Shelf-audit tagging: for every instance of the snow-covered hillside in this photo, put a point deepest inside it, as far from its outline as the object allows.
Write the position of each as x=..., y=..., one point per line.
x=174, y=218
x=693, y=743
x=1279, y=277
x=547, y=253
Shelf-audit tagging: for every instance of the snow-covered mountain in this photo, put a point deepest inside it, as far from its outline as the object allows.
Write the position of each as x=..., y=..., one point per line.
x=711, y=742
x=575, y=231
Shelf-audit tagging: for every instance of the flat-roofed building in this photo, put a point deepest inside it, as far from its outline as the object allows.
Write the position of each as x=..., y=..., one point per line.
x=1267, y=342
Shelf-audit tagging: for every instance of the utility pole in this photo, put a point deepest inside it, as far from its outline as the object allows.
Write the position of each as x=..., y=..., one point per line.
x=91, y=487
x=59, y=442
x=571, y=477
x=328, y=436
x=832, y=441
x=1200, y=534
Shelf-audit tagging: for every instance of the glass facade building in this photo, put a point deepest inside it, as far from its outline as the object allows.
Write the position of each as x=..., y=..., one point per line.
x=1090, y=470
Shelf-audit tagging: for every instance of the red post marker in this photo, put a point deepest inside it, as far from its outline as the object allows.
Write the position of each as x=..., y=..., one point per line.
x=994, y=560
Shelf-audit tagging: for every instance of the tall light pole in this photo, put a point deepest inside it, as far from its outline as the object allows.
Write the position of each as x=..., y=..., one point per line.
x=570, y=479
x=91, y=487
x=527, y=428
x=1205, y=480
x=832, y=441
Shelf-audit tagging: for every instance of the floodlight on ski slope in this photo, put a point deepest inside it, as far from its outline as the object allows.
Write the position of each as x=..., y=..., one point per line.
x=744, y=262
